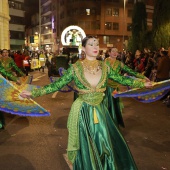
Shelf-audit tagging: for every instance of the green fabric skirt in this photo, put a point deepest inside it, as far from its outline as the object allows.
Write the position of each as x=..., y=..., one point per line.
x=2, y=120
x=102, y=147
x=114, y=106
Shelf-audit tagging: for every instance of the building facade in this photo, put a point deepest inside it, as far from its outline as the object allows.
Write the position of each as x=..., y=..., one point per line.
x=17, y=24
x=4, y=25
x=109, y=20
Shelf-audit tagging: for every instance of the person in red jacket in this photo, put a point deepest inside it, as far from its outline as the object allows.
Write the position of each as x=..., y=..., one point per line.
x=18, y=58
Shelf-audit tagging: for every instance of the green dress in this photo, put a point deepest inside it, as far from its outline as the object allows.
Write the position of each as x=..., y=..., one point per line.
x=7, y=66
x=94, y=142
x=10, y=76
x=115, y=105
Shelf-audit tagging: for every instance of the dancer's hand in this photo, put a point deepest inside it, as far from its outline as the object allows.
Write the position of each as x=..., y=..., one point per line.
x=25, y=94
x=146, y=79
x=148, y=84
x=18, y=82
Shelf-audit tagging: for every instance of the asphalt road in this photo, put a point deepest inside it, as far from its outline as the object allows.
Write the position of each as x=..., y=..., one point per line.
x=39, y=143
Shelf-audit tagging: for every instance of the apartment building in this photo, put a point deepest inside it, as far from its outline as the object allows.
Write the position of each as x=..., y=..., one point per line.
x=4, y=24
x=109, y=20
x=17, y=24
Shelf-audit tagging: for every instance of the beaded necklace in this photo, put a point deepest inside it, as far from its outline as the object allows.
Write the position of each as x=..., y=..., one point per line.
x=91, y=66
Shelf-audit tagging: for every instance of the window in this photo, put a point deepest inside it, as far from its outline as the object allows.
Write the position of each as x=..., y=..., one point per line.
x=115, y=26
x=130, y=13
x=115, y=12
x=17, y=35
x=16, y=5
x=95, y=25
x=98, y=25
x=17, y=20
x=106, y=40
x=129, y=27
x=108, y=25
x=81, y=24
x=130, y=1
x=93, y=11
x=62, y=15
x=109, y=11
x=82, y=11
x=87, y=25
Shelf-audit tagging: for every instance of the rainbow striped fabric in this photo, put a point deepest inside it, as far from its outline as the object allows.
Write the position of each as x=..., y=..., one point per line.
x=145, y=95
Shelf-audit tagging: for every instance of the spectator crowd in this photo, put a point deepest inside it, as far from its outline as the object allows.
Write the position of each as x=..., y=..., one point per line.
x=155, y=65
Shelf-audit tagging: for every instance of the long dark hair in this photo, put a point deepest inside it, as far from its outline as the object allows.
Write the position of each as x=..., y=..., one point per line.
x=84, y=41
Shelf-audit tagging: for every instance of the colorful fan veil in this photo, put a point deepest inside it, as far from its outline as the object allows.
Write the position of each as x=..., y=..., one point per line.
x=26, y=79
x=147, y=95
x=12, y=102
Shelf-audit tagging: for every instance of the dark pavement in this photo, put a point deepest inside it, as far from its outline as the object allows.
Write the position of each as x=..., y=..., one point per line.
x=39, y=143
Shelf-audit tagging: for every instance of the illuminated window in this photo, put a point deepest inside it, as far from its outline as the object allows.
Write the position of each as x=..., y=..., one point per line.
x=115, y=12
x=109, y=11
x=106, y=39
x=108, y=25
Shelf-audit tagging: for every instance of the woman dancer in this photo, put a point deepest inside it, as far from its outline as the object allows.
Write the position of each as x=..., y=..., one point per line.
x=94, y=141
x=115, y=105
x=9, y=76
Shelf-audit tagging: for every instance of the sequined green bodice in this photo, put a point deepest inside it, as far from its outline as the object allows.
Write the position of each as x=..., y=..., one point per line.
x=8, y=64
x=76, y=73
x=7, y=74
x=118, y=66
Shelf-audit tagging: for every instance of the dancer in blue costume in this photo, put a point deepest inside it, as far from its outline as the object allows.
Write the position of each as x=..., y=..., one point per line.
x=94, y=142
x=115, y=105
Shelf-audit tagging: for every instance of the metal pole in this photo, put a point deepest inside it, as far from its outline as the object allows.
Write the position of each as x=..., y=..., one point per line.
x=124, y=3
x=39, y=40
x=124, y=24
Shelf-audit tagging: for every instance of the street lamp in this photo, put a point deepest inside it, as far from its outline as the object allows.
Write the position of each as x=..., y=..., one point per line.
x=124, y=7
x=39, y=40
x=58, y=44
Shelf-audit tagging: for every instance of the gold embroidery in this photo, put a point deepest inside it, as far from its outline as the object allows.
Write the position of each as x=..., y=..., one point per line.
x=95, y=116
x=91, y=66
x=80, y=75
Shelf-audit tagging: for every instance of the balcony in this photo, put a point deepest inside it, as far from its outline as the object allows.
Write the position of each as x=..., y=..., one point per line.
x=46, y=21
x=16, y=27
x=45, y=2
x=46, y=31
x=16, y=12
x=47, y=41
x=46, y=10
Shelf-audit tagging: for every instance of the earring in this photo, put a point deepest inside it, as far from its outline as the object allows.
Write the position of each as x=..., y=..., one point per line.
x=83, y=55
